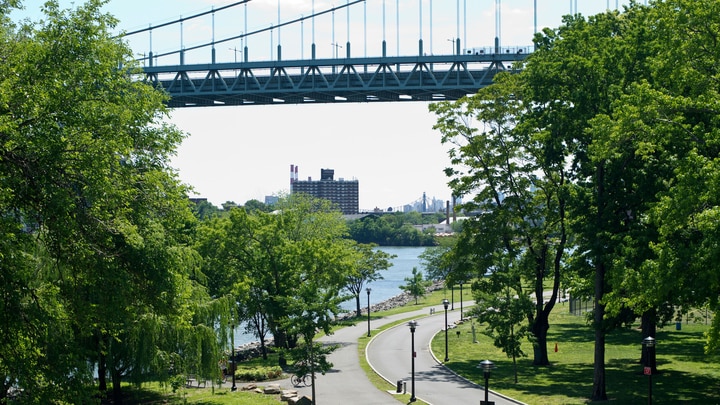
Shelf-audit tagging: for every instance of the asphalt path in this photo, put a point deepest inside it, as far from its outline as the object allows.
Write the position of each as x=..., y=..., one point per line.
x=389, y=354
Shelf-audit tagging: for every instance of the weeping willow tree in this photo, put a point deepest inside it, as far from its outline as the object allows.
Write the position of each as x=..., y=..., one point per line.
x=97, y=268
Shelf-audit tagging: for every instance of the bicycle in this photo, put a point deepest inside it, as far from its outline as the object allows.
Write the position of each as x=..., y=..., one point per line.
x=304, y=379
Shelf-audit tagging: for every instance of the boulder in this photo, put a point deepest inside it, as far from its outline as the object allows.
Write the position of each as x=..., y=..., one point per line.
x=272, y=389
x=285, y=395
x=300, y=401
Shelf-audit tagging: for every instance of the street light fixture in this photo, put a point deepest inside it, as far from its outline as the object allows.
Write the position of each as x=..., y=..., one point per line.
x=487, y=366
x=232, y=360
x=412, y=324
x=649, y=344
x=368, y=289
x=446, y=303
x=461, y=302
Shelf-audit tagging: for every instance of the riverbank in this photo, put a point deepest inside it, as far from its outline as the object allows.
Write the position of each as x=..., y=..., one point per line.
x=253, y=350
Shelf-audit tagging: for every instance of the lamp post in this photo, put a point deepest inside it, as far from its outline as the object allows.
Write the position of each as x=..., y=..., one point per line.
x=412, y=324
x=461, y=303
x=487, y=366
x=232, y=360
x=368, y=289
x=649, y=344
x=446, y=303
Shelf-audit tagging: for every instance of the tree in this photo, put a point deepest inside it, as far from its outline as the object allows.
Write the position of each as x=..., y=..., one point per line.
x=503, y=313
x=416, y=284
x=274, y=258
x=613, y=98
x=95, y=221
x=518, y=183
x=370, y=263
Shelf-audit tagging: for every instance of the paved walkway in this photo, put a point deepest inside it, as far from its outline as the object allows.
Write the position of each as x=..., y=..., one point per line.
x=347, y=383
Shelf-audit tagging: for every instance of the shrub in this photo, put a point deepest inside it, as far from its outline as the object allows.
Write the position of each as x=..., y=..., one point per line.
x=259, y=373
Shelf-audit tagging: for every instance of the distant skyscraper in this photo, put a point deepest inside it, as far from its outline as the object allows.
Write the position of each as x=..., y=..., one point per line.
x=343, y=193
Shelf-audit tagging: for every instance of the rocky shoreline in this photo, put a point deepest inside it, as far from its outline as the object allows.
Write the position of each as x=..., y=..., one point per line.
x=253, y=350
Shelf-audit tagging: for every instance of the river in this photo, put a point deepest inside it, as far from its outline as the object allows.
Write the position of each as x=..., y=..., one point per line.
x=384, y=289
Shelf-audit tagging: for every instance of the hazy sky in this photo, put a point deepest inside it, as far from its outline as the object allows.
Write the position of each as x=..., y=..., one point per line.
x=245, y=152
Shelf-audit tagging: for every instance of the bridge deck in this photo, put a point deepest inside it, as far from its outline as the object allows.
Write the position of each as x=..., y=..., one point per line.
x=421, y=78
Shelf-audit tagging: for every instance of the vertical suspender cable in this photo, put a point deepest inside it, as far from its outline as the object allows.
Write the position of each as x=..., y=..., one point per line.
x=420, y=47
x=464, y=25
x=431, y=28
x=150, y=56
x=535, y=17
x=302, y=37
x=397, y=25
x=457, y=24
x=212, y=48
x=384, y=43
x=245, y=49
x=365, y=29
x=313, y=30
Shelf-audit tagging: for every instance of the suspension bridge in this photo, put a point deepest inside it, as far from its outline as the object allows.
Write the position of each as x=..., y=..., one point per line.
x=295, y=71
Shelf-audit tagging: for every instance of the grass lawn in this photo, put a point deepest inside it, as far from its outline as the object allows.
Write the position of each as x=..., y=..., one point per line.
x=154, y=393
x=686, y=374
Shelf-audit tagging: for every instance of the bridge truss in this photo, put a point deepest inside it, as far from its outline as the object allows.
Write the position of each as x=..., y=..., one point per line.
x=402, y=78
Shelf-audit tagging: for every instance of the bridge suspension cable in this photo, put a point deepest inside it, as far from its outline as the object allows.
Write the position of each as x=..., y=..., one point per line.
x=181, y=19
x=243, y=35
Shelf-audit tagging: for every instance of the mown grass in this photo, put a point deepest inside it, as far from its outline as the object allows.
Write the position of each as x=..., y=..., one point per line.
x=686, y=375
x=154, y=393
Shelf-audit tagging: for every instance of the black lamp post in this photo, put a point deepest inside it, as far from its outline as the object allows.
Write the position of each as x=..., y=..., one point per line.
x=232, y=360
x=487, y=366
x=649, y=343
x=368, y=289
x=412, y=324
x=461, y=303
x=446, y=303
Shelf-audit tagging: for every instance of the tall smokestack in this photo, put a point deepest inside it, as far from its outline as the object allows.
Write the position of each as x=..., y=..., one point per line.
x=454, y=198
x=292, y=171
x=296, y=173
x=447, y=212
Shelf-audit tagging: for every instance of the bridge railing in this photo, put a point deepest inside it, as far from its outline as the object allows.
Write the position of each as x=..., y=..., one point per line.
x=420, y=78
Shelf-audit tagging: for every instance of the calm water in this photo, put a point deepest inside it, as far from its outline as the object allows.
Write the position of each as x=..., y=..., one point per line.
x=388, y=287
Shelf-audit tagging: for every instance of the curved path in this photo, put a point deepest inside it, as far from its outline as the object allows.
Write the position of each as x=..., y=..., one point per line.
x=389, y=354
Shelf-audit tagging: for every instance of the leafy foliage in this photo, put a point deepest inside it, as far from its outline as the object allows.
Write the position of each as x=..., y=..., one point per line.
x=97, y=270
x=416, y=284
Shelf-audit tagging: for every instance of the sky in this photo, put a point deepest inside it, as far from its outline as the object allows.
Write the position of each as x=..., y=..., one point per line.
x=239, y=153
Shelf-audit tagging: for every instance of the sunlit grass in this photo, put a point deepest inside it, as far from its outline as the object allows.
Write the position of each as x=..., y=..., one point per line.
x=686, y=374
x=154, y=393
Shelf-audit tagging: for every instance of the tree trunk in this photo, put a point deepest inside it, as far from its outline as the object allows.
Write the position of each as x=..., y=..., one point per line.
x=280, y=339
x=539, y=330
x=102, y=374
x=357, y=304
x=512, y=338
x=117, y=387
x=102, y=362
x=598, y=392
x=648, y=327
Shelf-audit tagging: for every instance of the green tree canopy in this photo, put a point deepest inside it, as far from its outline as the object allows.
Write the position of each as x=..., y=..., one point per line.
x=95, y=263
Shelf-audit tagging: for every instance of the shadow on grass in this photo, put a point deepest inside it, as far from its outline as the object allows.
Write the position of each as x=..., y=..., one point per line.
x=625, y=382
